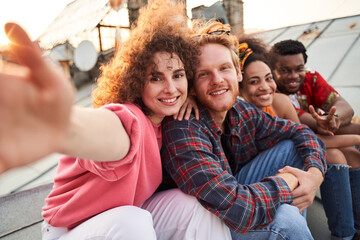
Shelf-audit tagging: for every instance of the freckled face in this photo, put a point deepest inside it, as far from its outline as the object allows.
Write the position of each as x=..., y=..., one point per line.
x=258, y=86
x=166, y=85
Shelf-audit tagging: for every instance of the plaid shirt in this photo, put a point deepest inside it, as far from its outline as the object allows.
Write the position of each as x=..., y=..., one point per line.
x=193, y=156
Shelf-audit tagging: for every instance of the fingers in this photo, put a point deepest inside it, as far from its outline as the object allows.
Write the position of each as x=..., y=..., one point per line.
x=181, y=113
x=26, y=52
x=323, y=131
x=197, y=114
x=22, y=46
x=188, y=112
x=332, y=112
x=184, y=112
x=301, y=203
x=313, y=112
x=332, y=119
x=295, y=171
x=302, y=198
x=186, y=109
x=332, y=124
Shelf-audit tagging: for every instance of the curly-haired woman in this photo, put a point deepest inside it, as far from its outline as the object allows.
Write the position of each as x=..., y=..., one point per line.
x=112, y=161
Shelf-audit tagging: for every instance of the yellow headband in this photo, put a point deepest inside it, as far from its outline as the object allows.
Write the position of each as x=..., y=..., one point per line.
x=244, y=53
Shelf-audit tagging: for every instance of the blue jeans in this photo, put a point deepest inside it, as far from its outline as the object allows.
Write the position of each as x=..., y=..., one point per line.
x=340, y=194
x=288, y=222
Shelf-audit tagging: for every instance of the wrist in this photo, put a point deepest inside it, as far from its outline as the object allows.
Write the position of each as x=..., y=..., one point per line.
x=290, y=179
x=316, y=173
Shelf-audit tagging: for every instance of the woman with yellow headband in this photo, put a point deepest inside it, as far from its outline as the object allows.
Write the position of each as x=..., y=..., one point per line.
x=261, y=90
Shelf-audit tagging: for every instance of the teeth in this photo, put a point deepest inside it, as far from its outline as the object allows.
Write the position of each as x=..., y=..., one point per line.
x=168, y=100
x=218, y=92
x=265, y=96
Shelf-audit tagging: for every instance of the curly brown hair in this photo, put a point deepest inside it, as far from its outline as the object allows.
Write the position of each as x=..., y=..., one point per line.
x=161, y=27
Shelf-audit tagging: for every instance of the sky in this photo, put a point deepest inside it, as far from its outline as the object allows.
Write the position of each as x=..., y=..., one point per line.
x=36, y=15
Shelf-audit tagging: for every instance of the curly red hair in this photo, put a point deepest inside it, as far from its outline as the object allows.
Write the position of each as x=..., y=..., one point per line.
x=161, y=27
x=204, y=36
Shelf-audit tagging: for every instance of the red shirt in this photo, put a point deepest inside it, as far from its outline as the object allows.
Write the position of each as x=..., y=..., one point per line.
x=315, y=91
x=84, y=188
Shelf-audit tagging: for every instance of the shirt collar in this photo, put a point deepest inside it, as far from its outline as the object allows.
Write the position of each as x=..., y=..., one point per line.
x=206, y=118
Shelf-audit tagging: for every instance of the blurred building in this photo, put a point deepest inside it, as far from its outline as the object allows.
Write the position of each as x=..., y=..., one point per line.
x=226, y=11
x=104, y=24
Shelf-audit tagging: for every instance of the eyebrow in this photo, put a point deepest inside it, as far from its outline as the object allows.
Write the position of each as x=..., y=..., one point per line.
x=284, y=66
x=257, y=77
x=254, y=77
x=227, y=63
x=157, y=73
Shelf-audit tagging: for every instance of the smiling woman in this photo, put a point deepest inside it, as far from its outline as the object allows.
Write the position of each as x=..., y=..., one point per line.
x=166, y=87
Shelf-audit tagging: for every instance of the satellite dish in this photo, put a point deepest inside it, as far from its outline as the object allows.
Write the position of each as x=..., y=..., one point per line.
x=85, y=56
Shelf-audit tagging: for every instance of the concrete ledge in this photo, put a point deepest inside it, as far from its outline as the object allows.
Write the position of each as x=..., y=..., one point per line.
x=20, y=213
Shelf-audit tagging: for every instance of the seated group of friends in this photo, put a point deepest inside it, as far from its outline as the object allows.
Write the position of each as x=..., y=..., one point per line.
x=171, y=151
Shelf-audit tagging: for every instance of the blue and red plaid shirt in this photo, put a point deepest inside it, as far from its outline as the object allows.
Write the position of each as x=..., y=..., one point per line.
x=193, y=156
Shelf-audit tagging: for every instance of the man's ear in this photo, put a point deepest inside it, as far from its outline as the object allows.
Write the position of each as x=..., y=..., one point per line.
x=239, y=76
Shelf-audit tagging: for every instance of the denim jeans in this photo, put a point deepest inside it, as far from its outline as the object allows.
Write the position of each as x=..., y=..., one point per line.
x=340, y=194
x=288, y=222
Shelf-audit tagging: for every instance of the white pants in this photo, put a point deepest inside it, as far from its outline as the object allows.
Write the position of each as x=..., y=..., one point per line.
x=125, y=222
x=175, y=216
x=178, y=216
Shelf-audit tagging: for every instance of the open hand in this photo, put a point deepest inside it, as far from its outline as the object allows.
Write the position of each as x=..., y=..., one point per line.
x=34, y=105
x=327, y=124
x=186, y=108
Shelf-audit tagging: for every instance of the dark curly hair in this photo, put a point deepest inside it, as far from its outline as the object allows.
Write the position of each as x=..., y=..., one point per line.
x=161, y=27
x=258, y=47
x=286, y=47
x=259, y=51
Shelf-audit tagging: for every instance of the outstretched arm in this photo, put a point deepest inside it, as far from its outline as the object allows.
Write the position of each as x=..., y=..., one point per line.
x=37, y=117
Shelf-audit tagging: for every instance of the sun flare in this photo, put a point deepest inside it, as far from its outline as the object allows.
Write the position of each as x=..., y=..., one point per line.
x=3, y=39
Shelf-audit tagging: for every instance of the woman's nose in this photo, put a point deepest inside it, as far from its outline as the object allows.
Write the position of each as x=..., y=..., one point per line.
x=170, y=86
